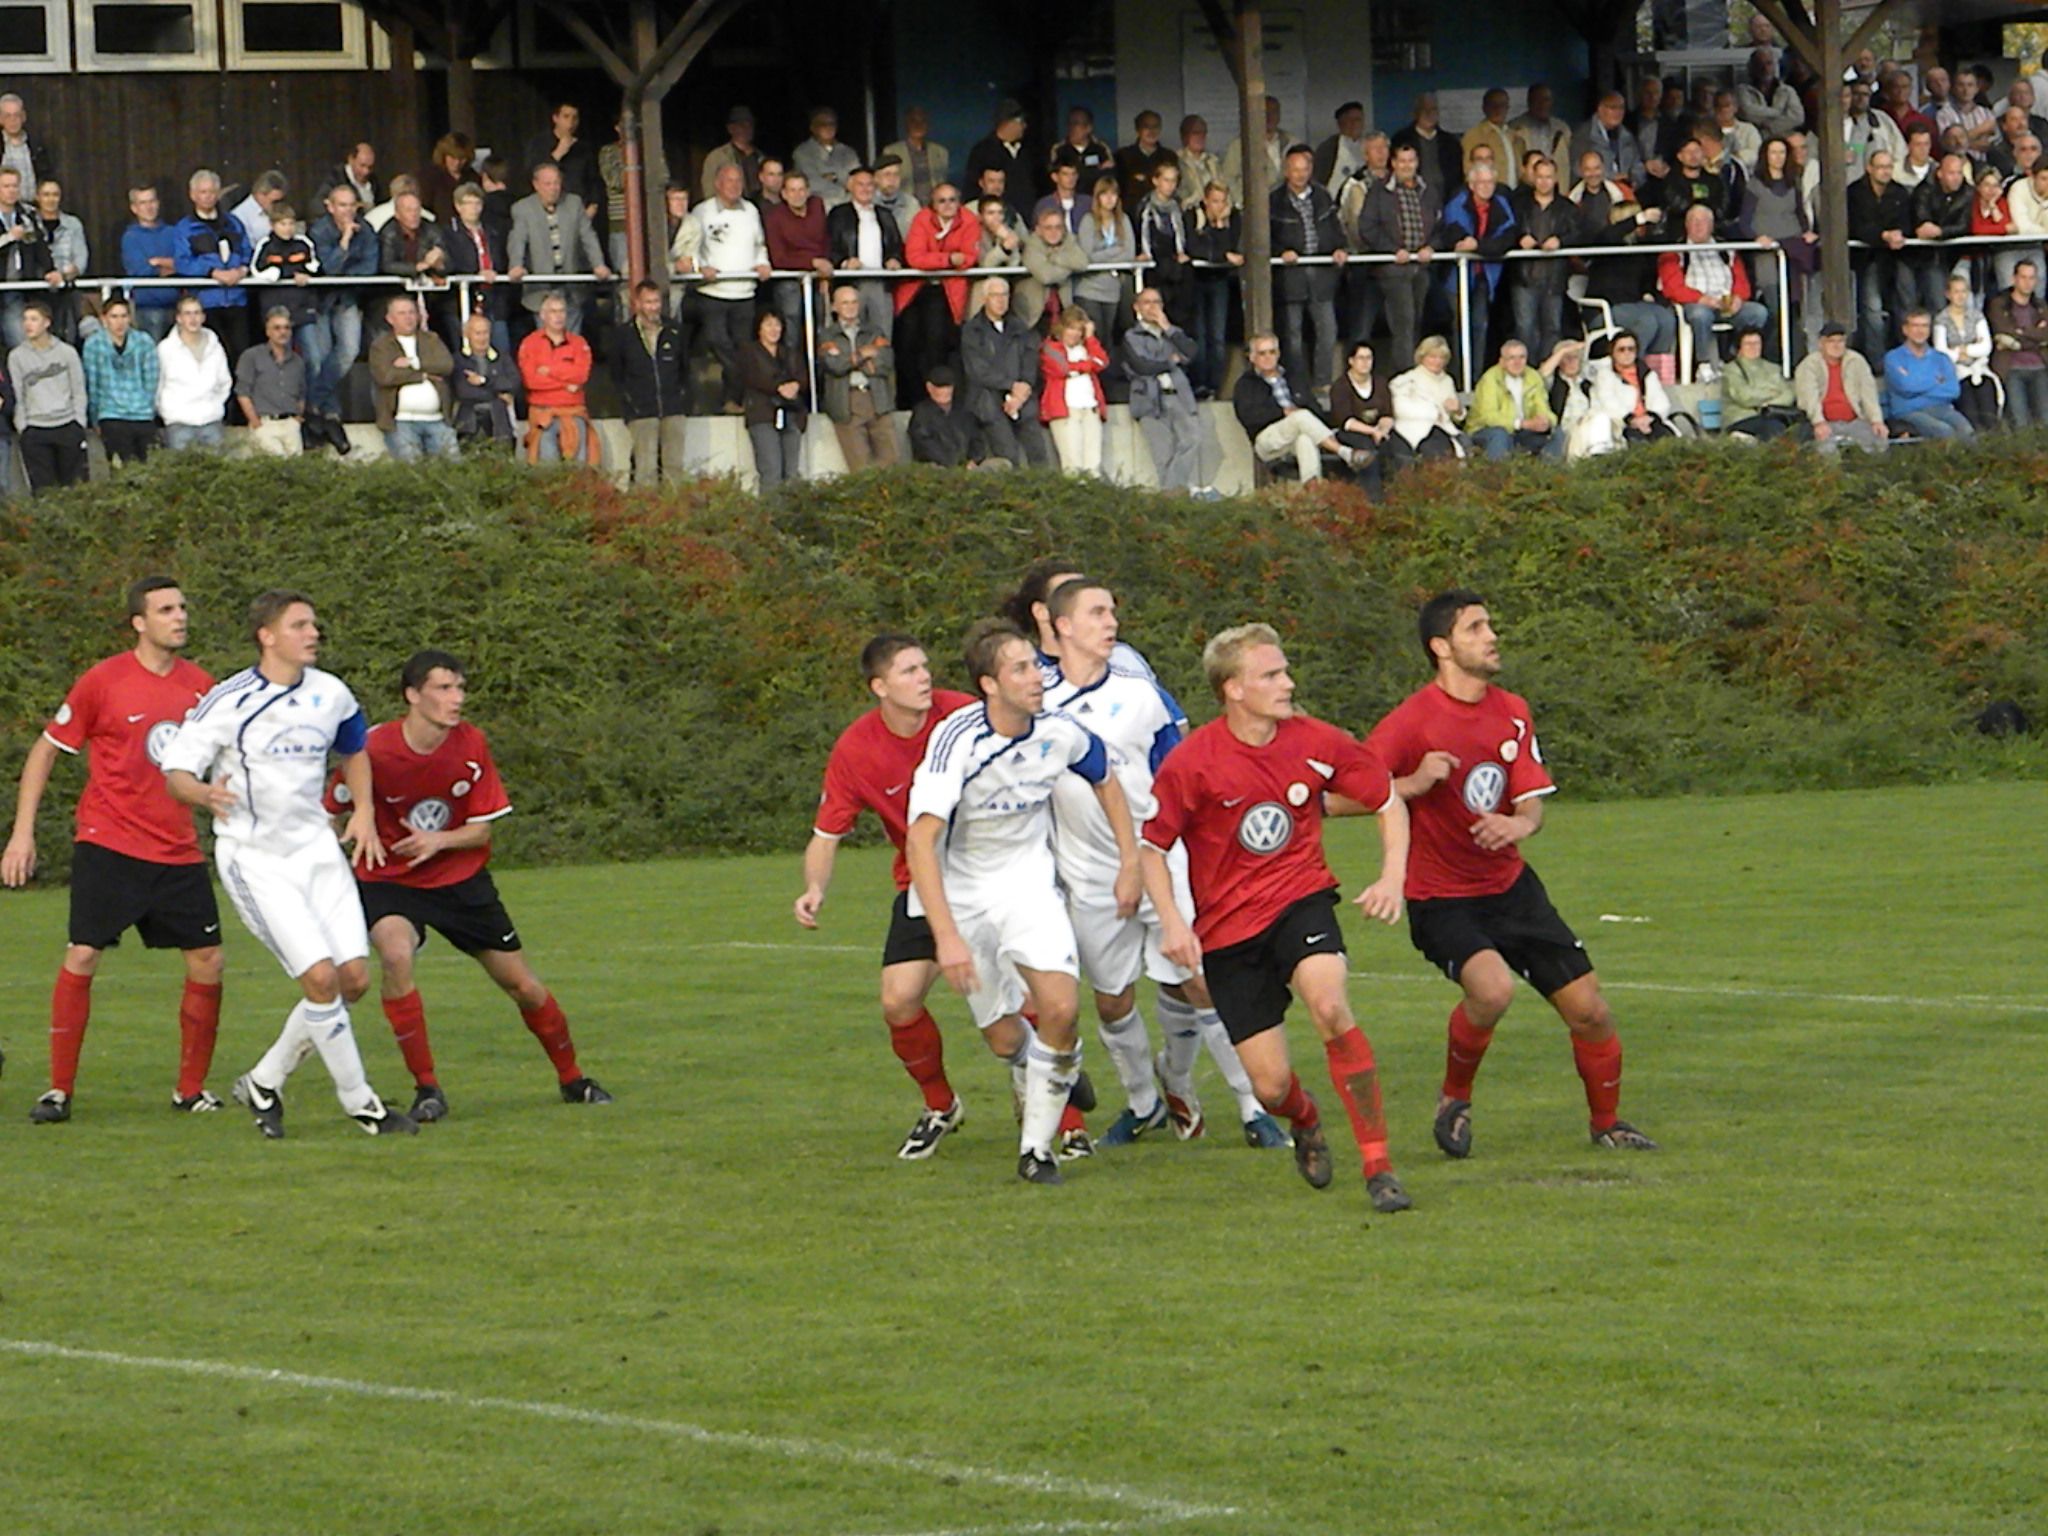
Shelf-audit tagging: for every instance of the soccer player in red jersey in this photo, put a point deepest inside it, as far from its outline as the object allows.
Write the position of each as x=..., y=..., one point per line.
x=1245, y=792
x=1465, y=753
x=137, y=862
x=438, y=797
x=871, y=766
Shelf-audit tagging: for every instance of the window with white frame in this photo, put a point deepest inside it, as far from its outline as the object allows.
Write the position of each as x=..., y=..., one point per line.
x=296, y=34
x=129, y=35
x=35, y=37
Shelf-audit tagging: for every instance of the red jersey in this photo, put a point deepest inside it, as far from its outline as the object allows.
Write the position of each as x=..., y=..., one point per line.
x=1252, y=818
x=127, y=714
x=1499, y=766
x=437, y=791
x=871, y=768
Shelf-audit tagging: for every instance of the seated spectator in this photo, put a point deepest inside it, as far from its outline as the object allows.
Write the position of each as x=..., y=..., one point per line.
x=646, y=356
x=999, y=356
x=1216, y=242
x=865, y=238
x=411, y=369
x=1427, y=411
x=1629, y=397
x=1569, y=388
x=1836, y=390
x=825, y=163
x=50, y=401
x=1053, y=258
x=797, y=242
x=1707, y=285
x=476, y=249
x=1360, y=401
x=121, y=374
x=486, y=382
x=149, y=249
x=1510, y=411
x=1072, y=404
x=253, y=212
x=1107, y=237
x=1157, y=355
x=554, y=365
x=1198, y=168
x=552, y=237
x=772, y=373
x=193, y=381
x=943, y=432
x=1757, y=398
x=1922, y=383
x=270, y=387
x=1280, y=421
x=1961, y=331
x=2019, y=341
x=858, y=369
x=724, y=244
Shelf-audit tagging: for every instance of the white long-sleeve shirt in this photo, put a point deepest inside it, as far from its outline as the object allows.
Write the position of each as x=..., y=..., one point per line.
x=192, y=390
x=727, y=240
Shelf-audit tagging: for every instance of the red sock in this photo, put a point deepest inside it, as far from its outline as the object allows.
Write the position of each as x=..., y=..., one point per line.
x=923, y=1054
x=1600, y=1070
x=1357, y=1081
x=552, y=1031
x=1071, y=1120
x=1296, y=1107
x=408, y=1016
x=198, y=1026
x=1461, y=1058
x=70, y=1007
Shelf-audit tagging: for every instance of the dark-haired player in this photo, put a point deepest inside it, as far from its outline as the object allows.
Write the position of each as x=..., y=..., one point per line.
x=438, y=797
x=871, y=766
x=1464, y=753
x=136, y=863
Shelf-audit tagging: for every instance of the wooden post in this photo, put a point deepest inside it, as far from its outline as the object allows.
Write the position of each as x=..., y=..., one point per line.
x=1258, y=180
x=1837, y=290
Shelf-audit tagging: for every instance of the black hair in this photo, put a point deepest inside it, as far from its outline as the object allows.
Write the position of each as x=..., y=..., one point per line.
x=1034, y=588
x=138, y=593
x=422, y=665
x=1440, y=615
x=877, y=655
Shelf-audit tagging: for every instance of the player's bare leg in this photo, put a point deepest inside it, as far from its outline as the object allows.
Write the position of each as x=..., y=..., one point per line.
x=1489, y=986
x=1596, y=1052
x=914, y=1037
x=396, y=942
x=1052, y=1062
x=1264, y=1056
x=544, y=1021
x=1320, y=981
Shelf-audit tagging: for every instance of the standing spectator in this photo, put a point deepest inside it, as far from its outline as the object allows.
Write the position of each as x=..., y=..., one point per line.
x=1163, y=240
x=486, y=383
x=825, y=162
x=2013, y=131
x=1066, y=196
x=611, y=170
x=1305, y=224
x=866, y=239
x=1964, y=111
x=646, y=356
x=1922, y=383
x=1002, y=232
x=858, y=367
x=50, y=401
x=29, y=154
x=447, y=168
x=1072, y=404
x=1603, y=134
x=1919, y=163
x=345, y=247
x=286, y=259
x=121, y=375
x=1767, y=103
x=1139, y=161
x=1757, y=398
x=1775, y=214
x=773, y=375
x=1280, y=421
x=1004, y=150
x=1343, y=152
x=1545, y=220
x=1879, y=213
x=563, y=147
x=1623, y=282
x=1095, y=156
x=1275, y=143
x=270, y=387
x=891, y=196
x=1941, y=210
x=1107, y=238
x=149, y=249
x=1936, y=93
x=1478, y=222
x=64, y=239
x=475, y=249
x=2019, y=94
x=194, y=380
x=769, y=194
x=1837, y=392
x=925, y=162
x=943, y=433
x=413, y=246
x=1961, y=331
x=1491, y=132
x=1399, y=218
x=999, y=355
x=1157, y=355
x=1865, y=130
x=2019, y=341
x=1198, y=167
x=737, y=150
x=1511, y=409
x=551, y=237
x=1743, y=141
x=1441, y=156
x=357, y=172
x=724, y=243
x=1537, y=132
x=253, y=212
x=213, y=246
x=797, y=242
x=1895, y=100
x=412, y=369
x=1216, y=241
x=942, y=239
x=1054, y=258
x=555, y=364
x=1992, y=213
x=1707, y=286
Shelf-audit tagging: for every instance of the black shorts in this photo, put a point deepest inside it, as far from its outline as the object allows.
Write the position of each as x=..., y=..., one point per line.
x=1248, y=981
x=1520, y=923
x=468, y=914
x=170, y=905
x=910, y=938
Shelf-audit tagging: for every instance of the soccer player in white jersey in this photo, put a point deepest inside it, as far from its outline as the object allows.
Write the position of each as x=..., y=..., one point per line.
x=1140, y=723
x=982, y=872
x=254, y=753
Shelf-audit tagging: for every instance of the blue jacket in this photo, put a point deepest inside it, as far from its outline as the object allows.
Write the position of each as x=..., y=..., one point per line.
x=138, y=245
x=1915, y=383
x=204, y=244
x=363, y=258
x=1458, y=223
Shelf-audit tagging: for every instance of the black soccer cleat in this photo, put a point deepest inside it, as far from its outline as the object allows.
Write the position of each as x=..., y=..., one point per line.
x=1623, y=1137
x=1033, y=1169
x=1082, y=1094
x=429, y=1104
x=1386, y=1193
x=265, y=1104
x=1312, y=1156
x=584, y=1090
x=933, y=1127
x=53, y=1108
x=200, y=1103
x=1454, y=1128
x=386, y=1121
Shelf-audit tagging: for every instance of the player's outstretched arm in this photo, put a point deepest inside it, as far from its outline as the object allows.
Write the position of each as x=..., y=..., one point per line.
x=189, y=789
x=18, y=863
x=1382, y=899
x=819, y=856
x=921, y=852
x=1117, y=807
x=361, y=831
x=1494, y=832
x=1176, y=939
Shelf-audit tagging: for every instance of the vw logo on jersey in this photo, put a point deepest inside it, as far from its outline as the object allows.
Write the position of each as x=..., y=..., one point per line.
x=1484, y=786
x=159, y=740
x=1265, y=828
x=429, y=816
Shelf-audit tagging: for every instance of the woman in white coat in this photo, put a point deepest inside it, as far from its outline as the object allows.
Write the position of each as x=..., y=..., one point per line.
x=1427, y=410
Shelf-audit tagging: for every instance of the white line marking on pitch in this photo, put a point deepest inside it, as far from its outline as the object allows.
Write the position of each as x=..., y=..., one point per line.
x=1036, y=1528
x=789, y=1448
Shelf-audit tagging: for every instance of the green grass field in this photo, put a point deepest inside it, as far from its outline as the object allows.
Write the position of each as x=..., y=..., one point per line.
x=722, y=1306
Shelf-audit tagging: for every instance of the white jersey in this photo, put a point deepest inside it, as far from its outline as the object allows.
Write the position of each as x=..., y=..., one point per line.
x=994, y=793
x=269, y=742
x=1121, y=655
x=1139, y=725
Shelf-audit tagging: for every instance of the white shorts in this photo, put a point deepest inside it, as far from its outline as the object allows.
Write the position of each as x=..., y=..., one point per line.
x=1032, y=933
x=302, y=906
x=1115, y=951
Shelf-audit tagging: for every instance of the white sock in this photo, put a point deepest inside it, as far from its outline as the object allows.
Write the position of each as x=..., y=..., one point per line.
x=1048, y=1079
x=1183, y=1043
x=1224, y=1054
x=327, y=1024
x=1130, y=1050
x=285, y=1053
x=1015, y=1062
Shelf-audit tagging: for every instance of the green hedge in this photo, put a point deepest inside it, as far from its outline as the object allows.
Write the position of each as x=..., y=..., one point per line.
x=663, y=673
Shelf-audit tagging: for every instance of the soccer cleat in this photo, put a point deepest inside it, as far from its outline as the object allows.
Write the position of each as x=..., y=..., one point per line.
x=1186, y=1115
x=201, y=1103
x=1312, y=1156
x=429, y=1104
x=53, y=1108
x=1033, y=1169
x=1130, y=1125
x=1082, y=1094
x=386, y=1121
x=1454, y=1128
x=1263, y=1132
x=1387, y=1194
x=933, y=1127
x=1623, y=1137
x=266, y=1104
x=1075, y=1145
x=584, y=1090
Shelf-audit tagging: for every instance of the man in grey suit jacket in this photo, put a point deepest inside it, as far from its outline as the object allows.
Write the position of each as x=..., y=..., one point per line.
x=550, y=236
x=999, y=355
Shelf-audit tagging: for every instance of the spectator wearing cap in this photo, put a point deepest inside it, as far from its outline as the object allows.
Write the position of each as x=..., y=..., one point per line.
x=944, y=432
x=723, y=242
x=738, y=149
x=1004, y=150
x=1836, y=389
x=1137, y=160
x=925, y=163
x=866, y=240
x=891, y=195
x=824, y=160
